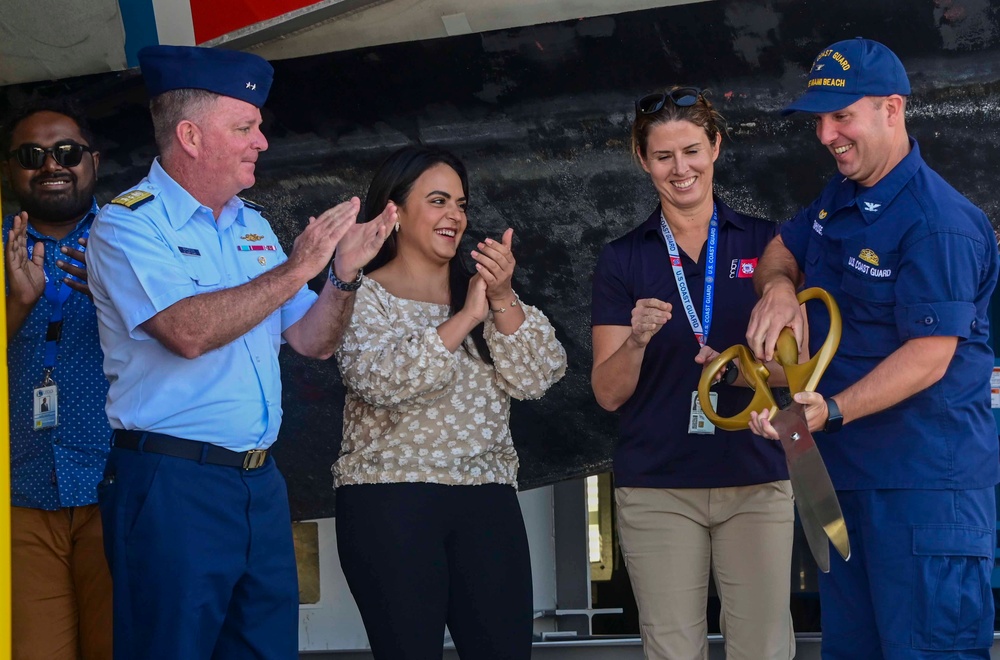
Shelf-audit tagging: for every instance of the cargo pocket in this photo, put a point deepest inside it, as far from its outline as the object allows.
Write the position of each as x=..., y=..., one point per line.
x=951, y=587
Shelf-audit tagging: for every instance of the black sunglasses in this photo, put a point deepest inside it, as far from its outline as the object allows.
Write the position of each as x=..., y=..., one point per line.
x=32, y=156
x=682, y=97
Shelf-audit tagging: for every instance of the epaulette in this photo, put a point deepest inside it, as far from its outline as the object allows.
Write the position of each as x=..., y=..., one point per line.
x=133, y=199
x=254, y=205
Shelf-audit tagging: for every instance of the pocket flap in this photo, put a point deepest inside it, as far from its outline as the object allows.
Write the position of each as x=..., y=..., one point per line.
x=954, y=540
x=204, y=274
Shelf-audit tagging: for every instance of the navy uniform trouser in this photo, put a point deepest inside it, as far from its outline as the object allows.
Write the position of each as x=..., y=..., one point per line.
x=201, y=558
x=419, y=556
x=917, y=585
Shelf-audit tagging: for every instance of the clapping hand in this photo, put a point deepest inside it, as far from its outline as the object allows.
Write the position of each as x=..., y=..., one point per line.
x=79, y=272
x=25, y=276
x=495, y=265
x=362, y=242
x=337, y=230
x=475, y=301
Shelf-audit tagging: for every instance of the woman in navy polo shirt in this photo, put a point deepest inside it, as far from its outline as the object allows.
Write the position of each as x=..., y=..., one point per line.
x=667, y=297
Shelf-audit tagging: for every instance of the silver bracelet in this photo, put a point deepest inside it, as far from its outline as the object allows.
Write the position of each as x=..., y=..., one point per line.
x=342, y=285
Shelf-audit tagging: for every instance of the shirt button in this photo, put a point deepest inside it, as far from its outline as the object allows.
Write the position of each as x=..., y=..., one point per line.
x=58, y=441
x=928, y=320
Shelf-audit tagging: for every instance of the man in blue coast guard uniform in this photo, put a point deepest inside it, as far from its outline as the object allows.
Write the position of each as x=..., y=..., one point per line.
x=60, y=585
x=194, y=297
x=908, y=435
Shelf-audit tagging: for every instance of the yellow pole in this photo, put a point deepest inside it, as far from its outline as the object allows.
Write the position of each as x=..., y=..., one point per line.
x=5, y=622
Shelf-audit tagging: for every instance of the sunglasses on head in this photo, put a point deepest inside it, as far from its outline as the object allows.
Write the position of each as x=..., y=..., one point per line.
x=32, y=156
x=682, y=97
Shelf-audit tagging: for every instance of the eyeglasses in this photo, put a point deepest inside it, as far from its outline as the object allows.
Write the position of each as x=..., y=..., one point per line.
x=682, y=97
x=32, y=156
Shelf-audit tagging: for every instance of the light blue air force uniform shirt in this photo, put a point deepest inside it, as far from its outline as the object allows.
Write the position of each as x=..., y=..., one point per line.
x=145, y=257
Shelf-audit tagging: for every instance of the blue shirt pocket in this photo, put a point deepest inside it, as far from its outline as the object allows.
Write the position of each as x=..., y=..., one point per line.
x=205, y=275
x=951, y=587
x=869, y=282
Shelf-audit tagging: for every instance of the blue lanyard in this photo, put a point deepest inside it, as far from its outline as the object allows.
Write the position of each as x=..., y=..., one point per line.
x=57, y=297
x=700, y=326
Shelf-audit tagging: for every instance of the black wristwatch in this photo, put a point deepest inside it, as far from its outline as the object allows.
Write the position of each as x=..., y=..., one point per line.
x=731, y=373
x=834, y=420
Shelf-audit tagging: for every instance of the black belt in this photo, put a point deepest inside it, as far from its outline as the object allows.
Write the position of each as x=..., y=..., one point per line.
x=203, y=452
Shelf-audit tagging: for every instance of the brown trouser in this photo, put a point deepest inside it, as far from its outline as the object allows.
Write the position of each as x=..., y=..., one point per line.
x=672, y=538
x=61, y=586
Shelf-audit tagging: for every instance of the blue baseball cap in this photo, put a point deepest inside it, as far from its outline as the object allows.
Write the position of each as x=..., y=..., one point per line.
x=847, y=72
x=243, y=76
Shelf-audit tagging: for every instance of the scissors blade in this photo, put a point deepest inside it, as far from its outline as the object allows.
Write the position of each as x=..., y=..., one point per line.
x=819, y=510
x=819, y=543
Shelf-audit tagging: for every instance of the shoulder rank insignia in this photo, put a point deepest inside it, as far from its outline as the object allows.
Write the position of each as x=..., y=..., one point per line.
x=254, y=205
x=251, y=237
x=133, y=199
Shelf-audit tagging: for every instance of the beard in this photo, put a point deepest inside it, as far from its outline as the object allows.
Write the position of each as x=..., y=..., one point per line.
x=58, y=208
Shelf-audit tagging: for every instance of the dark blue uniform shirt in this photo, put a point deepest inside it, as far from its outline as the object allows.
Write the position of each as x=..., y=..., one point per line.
x=909, y=257
x=58, y=467
x=655, y=450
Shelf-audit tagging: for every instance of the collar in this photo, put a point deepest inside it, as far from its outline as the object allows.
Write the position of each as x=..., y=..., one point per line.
x=180, y=206
x=872, y=201
x=83, y=224
x=727, y=217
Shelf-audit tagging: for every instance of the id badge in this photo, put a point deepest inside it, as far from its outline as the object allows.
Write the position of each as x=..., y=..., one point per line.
x=698, y=422
x=46, y=406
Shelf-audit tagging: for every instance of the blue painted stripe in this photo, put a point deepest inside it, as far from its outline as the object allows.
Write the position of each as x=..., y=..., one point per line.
x=140, y=27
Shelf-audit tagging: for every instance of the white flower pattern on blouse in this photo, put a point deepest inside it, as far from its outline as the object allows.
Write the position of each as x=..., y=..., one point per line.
x=418, y=413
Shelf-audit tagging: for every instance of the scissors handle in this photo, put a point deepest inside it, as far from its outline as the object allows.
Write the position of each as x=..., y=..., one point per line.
x=801, y=377
x=805, y=377
x=754, y=373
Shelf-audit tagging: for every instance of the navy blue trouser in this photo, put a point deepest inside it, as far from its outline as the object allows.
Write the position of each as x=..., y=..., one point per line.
x=917, y=585
x=419, y=556
x=201, y=558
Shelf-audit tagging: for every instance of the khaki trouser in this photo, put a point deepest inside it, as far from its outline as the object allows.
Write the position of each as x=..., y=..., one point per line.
x=672, y=538
x=61, y=586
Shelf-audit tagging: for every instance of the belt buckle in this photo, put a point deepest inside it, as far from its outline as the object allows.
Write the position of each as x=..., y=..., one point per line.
x=254, y=459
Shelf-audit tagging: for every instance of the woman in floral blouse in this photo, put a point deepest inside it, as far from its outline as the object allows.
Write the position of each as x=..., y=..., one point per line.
x=429, y=529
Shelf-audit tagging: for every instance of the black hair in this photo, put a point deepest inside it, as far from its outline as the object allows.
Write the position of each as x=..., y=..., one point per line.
x=393, y=180
x=61, y=105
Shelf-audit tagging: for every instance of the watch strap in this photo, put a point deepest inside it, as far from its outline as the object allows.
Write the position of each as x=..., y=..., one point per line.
x=834, y=419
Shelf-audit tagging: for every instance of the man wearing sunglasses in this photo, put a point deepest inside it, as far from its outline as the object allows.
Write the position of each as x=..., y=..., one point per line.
x=61, y=586
x=908, y=435
x=195, y=297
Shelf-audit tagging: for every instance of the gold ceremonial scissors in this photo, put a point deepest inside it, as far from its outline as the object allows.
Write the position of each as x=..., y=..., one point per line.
x=819, y=510
x=801, y=377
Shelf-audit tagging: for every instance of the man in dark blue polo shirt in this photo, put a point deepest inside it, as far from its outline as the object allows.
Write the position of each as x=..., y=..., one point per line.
x=912, y=264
